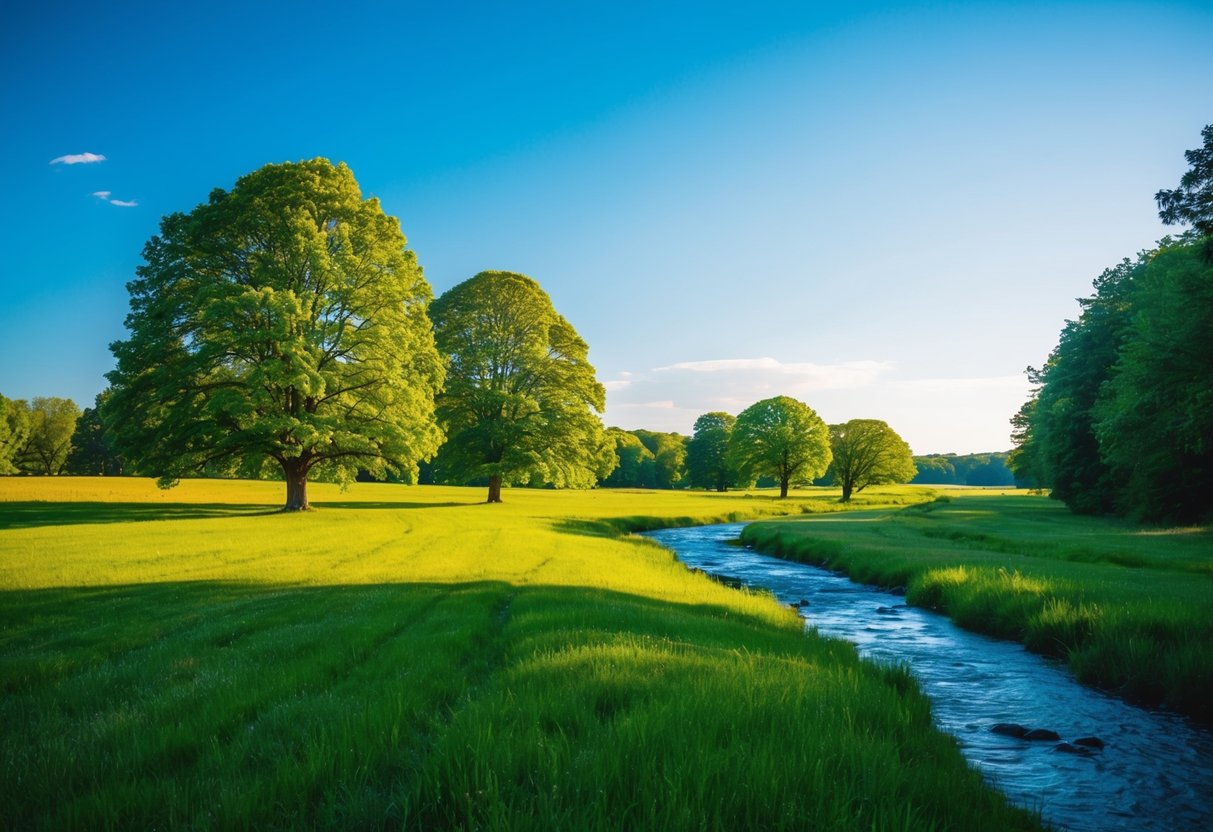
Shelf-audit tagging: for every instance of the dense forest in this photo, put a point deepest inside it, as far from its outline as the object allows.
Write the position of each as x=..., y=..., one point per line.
x=1121, y=417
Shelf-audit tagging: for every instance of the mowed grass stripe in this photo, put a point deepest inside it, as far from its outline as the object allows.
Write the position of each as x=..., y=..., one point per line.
x=413, y=659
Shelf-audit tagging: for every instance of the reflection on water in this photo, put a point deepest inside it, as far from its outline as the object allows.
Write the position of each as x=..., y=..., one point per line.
x=1155, y=773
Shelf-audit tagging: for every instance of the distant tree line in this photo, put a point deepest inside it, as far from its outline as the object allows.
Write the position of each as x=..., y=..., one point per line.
x=968, y=469
x=50, y=436
x=1121, y=417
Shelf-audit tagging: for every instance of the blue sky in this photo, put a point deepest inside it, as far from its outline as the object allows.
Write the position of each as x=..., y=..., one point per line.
x=886, y=210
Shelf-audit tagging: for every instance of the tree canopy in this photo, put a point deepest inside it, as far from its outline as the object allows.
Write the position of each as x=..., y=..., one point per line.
x=781, y=438
x=707, y=449
x=669, y=452
x=14, y=431
x=281, y=324
x=51, y=424
x=868, y=452
x=636, y=467
x=1192, y=202
x=1154, y=417
x=92, y=451
x=521, y=402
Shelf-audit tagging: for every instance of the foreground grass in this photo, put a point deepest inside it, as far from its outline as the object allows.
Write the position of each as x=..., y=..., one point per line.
x=1130, y=608
x=408, y=658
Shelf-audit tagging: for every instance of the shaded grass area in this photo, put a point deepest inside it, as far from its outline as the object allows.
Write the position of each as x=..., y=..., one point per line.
x=471, y=666
x=482, y=705
x=1129, y=608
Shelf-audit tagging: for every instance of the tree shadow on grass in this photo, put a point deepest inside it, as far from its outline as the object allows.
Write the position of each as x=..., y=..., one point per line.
x=34, y=513
x=323, y=504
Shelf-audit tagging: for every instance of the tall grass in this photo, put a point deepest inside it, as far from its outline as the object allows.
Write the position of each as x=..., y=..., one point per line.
x=1129, y=608
x=409, y=658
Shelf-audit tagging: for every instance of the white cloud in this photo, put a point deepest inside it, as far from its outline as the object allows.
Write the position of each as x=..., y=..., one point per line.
x=101, y=194
x=78, y=159
x=121, y=203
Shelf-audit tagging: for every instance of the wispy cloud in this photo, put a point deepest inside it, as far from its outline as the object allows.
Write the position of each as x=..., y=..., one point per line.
x=78, y=159
x=104, y=196
x=798, y=376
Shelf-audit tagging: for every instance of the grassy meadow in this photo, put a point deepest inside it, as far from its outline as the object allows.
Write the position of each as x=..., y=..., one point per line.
x=1129, y=607
x=408, y=657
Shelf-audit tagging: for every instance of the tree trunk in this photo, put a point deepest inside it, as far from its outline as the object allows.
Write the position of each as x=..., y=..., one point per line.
x=783, y=487
x=296, y=485
x=847, y=485
x=494, y=489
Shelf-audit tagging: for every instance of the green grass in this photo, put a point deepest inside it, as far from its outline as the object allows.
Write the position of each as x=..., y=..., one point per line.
x=1130, y=608
x=409, y=658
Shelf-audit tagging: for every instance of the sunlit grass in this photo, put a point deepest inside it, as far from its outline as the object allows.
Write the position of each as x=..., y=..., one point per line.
x=1131, y=609
x=410, y=657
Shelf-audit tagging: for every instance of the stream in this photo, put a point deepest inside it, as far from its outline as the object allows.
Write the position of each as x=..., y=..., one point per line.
x=1154, y=773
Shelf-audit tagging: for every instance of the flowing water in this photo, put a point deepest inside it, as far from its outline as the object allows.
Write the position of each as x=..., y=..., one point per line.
x=1154, y=773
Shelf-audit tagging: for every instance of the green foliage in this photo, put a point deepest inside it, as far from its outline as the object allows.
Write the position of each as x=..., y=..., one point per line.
x=868, y=452
x=279, y=325
x=636, y=466
x=521, y=402
x=51, y=423
x=1127, y=606
x=669, y=452
x=1192, y=202
x=1120, y=423
x=1154, y=417
x=92, y=451
x=707, y=451
x=14, y=431
x=1061, y=431
x=781, y=438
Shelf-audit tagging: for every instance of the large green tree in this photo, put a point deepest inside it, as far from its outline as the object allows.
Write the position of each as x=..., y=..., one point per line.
x=868, y=452
x=707, y=449
x=280, y=325
x=781, y=438
x=521, y=402
x=14, y=430
x=52, y=422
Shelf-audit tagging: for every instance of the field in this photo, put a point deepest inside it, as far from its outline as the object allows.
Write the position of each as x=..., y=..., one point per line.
x=1129, y=607
x=406, y=657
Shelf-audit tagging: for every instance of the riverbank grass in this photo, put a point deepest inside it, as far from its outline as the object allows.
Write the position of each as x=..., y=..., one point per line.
x=407, y=657
x=1129, y=607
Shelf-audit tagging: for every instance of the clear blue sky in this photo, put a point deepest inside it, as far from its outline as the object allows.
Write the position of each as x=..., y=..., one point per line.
x=886, y=210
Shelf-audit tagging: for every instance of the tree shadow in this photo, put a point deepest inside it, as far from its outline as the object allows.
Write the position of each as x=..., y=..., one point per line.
x=323, y=504
x=35, y=513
